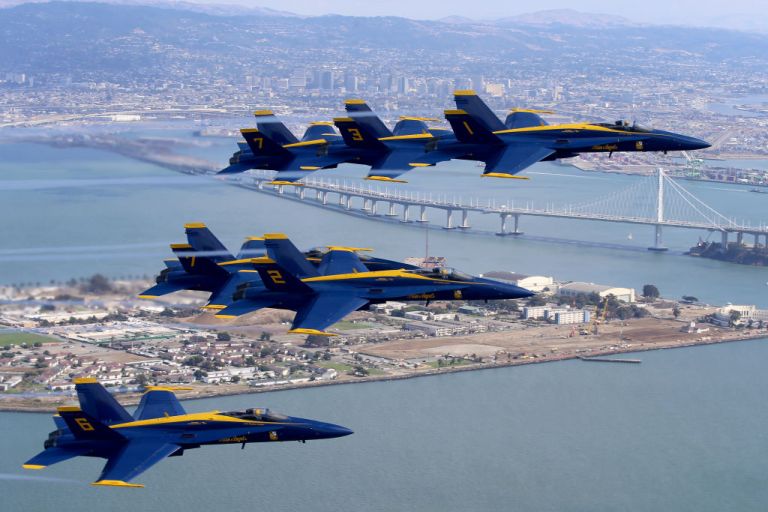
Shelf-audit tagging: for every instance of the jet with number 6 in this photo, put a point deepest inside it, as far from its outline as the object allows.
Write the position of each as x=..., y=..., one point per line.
x=159, y=428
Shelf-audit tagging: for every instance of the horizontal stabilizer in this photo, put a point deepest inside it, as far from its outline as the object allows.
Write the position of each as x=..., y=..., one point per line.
x=161, y=289
x=53, y=455
x=244, y=306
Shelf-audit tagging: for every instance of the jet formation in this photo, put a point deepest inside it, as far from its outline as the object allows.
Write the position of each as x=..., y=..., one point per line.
x=159, y=428
x=321, y=285
x=477, y=134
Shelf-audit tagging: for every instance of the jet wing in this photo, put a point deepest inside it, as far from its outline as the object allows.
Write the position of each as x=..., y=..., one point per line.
x=324, y=310
x=401, y=160
x=132, y=459
x=513, y=158
x=161, y=289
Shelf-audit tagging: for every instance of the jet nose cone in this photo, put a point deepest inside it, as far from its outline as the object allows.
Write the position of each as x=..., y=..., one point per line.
x=692, y=143
x=329, y=431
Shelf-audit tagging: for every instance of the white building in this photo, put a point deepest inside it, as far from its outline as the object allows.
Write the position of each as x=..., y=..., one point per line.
x=533, y=283
x=578, y=288
x=572, y=316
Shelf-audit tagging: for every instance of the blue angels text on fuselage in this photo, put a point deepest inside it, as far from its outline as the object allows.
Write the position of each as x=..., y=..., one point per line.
x=506, y=148
x=159, y=428
x=321, y=286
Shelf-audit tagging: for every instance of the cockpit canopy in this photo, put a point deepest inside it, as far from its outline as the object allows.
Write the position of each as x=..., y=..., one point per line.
x=256, y=415
x=447, y=273
x=626, y=126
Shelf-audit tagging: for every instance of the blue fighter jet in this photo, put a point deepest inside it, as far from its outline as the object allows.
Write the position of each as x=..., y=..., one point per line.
x=159, y=428
x=525, y=138
x=342, y=284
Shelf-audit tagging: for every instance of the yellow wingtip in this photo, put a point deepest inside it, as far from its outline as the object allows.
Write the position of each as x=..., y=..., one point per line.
x=86, y=380
x=384, y=178
x=117, y=483
x=226, y=316
x=311, y=331
x=32, y=466
x=504, y=175
x=147, y=296
x=214, y=306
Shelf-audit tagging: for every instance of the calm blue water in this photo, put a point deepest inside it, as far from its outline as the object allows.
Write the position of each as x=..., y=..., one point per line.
x=80, y=211
x=683, y=431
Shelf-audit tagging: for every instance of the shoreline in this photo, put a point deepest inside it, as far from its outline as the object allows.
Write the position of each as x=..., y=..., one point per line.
x=133, y=398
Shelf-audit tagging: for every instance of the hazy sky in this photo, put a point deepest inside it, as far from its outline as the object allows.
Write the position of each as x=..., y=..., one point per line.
x=752, y=14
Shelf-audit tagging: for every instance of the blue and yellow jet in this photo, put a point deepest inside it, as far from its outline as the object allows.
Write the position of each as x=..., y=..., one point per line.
x=525, y=138
x=159, y=428
x=342, y=284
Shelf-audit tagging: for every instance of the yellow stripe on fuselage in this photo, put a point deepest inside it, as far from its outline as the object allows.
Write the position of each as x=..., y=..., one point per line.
x=572, y=126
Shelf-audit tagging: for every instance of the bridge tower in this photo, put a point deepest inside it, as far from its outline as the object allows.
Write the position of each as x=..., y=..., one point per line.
x=658, y=244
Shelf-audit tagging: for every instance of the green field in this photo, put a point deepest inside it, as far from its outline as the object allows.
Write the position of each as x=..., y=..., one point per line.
x=351, y=326
x=17, y=338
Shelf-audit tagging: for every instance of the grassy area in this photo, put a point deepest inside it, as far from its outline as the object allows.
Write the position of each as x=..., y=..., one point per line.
x=351, y=326
x=17, y=338
x=462, y=362
x=339, y=367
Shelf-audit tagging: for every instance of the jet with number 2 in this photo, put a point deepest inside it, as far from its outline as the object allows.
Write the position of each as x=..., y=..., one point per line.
x=159, y=428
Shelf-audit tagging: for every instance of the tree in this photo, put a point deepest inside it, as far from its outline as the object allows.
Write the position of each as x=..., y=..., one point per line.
x=97, y=283
x=650, y=291
x=223, y=336
x=676, y=311
x=265, y=336
x=734, y=316
x=235, y=379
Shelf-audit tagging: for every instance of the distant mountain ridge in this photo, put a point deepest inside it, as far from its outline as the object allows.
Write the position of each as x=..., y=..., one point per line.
x=107, y=39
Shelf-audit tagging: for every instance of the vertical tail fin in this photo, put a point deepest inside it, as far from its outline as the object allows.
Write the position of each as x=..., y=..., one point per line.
x=356, y=135
x=261, y=144
x=285, y=254
x=362, y=113
x=96, y=401
x=470, y=102
x=202, y=240
x=197, y=264
x=468, y=129
x=86, y=427
x=271, y=127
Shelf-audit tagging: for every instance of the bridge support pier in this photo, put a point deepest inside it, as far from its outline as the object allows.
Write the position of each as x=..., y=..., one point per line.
x=724, y=239
x=302, y=191
x=757, y=240
x=423, y=215
x=366, y=205
x=448, y=219
x=464, y=220
x=406, y=209
x=342, y=198
x=347, y=202
x=391, y=211
x=373, y=207
x=280, y=189
x=739, y=238
x=658, y=244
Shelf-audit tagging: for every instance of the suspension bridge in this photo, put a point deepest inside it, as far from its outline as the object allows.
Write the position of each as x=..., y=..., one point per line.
x=658, y=201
